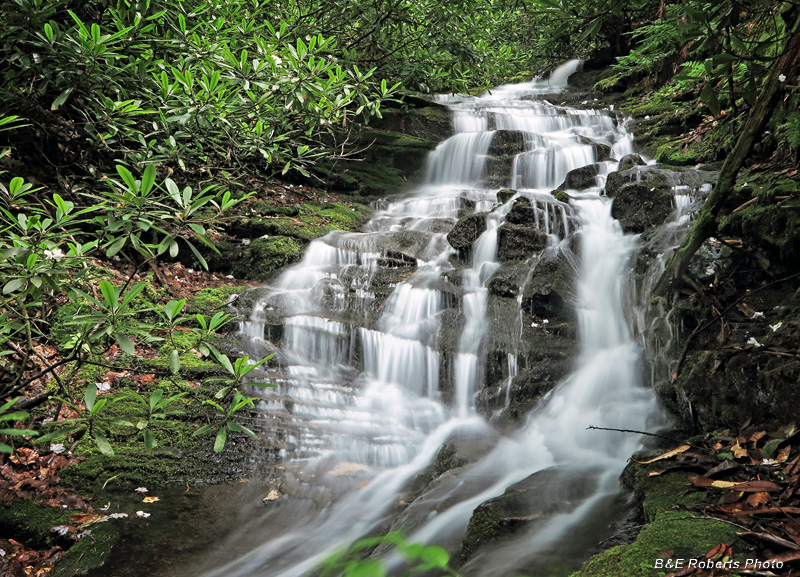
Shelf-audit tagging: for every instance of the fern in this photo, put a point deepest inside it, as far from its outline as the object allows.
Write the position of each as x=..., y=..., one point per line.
x=792, y=129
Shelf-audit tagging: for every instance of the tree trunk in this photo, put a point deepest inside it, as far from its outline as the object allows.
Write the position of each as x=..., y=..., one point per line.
x=706, y=224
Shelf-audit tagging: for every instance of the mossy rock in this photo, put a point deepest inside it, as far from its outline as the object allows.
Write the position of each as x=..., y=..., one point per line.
x=209, y=301
x=390, y=163
x=266, y=255
x=27, y=521
x=685, y=534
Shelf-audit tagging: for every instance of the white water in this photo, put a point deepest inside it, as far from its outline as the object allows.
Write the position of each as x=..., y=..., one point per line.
x=363, y=384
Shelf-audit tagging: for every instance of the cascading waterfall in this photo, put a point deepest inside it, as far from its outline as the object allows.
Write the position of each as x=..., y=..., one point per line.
x=364, y=378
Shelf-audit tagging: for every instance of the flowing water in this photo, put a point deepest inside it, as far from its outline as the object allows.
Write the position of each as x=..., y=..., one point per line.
x=368, y=392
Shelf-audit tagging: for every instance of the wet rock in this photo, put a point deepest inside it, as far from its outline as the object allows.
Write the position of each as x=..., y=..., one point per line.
x=601, y=151
x=524, y=505
x=522, y=212
x=460, y=449
x=503, y=196
x=518, y=242
x=466, y=231
x=643, y=198
x=403, y=245
x=581, y=178
x=507, y=143
x=639, y=207
x=549, y=292
x=630, y=160
x=506, y=281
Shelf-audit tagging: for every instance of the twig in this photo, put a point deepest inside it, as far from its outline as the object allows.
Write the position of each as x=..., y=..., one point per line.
x=673, y=439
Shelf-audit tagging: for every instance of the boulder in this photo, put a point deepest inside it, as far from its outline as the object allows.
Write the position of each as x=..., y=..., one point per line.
x=522, y=212
x=524, y=505
x=518, y=242
x=503, y=196
x=643, y=197
x=629, y=161
x=581, y=178
x=466, y=231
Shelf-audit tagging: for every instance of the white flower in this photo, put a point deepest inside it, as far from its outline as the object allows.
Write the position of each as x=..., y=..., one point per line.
x=545, y=321
x=782, y=78
x=769, y=462
x=60, y=529
x=57, y=448
x=103, y=387
x=277, y=60
x=56, y=254
x=647, y=117
x=758, y=315
x=2, y=552
x=141, y=489
x=776, y=327
x=117, y=515
x=754, y=342
x=142, y=514
x=534, y=325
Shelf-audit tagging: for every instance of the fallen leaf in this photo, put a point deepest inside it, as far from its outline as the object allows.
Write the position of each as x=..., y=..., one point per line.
x=667, y=455
x=150, y=499
x=783, y=455
x=273, y=495
x=739, y=451
x=757, y=499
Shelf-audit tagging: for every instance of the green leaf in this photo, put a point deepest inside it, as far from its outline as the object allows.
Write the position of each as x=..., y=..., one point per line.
x=109, y=293
x=61, y=98
x=102, y=443
x=203, y=429
x=148, y=178
x=219, y=442
x=13, y=285
x=155, y=396
x=90, y=396
x=127, y=177
x=174, y=362
x=149, y=440
x=115, y=246
x=125, y=343
x=436, y=556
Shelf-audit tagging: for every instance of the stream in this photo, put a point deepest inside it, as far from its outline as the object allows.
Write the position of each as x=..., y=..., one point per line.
x=371, y=385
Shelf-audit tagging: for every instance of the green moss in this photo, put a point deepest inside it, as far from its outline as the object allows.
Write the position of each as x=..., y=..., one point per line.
x=29, y=522
x=687, y=537
x=387, y=165
x=561, y=196
x=209, y=301
x=667, y=528
x=264, y=256
x=89, y=553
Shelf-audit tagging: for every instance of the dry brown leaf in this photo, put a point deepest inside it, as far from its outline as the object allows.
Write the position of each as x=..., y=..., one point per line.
x=756, y=499
x=150, y=499
x=746, y=309
x=783, y=455
x=667, y=455
x=273, y=495
x=739, y=451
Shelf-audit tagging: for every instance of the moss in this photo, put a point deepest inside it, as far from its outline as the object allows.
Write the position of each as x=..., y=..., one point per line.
x=561, y=196
x=483, y=526
x=390, y=162
x=27, y=521
x=89, y=553
x=687, y=537
x=264, y=256
x=666, y=529
x=209, y=301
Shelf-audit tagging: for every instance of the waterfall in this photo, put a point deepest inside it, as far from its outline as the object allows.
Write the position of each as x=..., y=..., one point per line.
x=368, y=384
